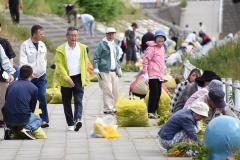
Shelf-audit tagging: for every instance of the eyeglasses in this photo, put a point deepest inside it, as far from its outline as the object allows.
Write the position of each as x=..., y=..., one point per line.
x=72, y=35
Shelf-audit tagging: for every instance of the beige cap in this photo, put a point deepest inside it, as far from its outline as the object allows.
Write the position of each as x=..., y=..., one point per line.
x=200, y=108
x=110, y=30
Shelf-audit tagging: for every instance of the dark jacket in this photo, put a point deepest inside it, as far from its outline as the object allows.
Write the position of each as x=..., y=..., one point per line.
x=21, y=99
x=181, y=120
x=187, y=92
x=149, y=36
x=7, y=48
x=130, y=37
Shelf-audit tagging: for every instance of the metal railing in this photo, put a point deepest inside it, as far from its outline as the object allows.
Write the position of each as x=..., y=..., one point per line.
x=232, y=90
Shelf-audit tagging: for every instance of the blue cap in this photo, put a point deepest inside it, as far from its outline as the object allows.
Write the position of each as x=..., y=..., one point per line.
x=160, y=33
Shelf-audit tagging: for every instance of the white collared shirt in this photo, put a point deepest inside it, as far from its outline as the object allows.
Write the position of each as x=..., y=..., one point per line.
x=73, y=59
x=113, y=55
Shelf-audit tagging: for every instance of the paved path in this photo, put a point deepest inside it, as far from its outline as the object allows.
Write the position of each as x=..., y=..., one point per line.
x=136, y=143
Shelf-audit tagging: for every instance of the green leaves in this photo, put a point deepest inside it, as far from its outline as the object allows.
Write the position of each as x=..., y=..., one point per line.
x=102, y=10
x=223, y=60
x=188, y=149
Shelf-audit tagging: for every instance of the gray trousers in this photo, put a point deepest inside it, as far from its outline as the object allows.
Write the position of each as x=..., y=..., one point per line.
x=178, y=137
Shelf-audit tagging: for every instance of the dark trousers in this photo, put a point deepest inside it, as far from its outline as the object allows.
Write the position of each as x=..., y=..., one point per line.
x=14, y=10
x=154, y=95
x=77, y=92
x=41, y=83
x=175, y=39
x=74, y=13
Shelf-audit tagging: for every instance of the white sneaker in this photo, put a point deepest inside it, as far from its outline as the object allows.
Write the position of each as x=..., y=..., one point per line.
x=70, y=128
x=27, y=133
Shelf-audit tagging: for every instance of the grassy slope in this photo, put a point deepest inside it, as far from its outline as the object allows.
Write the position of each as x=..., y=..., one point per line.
x=224, y=60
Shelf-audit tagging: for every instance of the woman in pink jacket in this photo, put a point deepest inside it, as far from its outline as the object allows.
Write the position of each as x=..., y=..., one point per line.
x=153, y=67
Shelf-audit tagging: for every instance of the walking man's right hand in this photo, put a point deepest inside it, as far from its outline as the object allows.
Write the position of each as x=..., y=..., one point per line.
x=70, y=82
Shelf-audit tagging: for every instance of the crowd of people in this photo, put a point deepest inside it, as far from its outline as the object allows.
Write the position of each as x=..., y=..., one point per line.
x=200, y=96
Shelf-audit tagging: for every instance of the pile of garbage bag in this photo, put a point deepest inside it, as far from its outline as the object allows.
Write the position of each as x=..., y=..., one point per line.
x=131, y=113
x=163, y=107
x=105, y=128
x=54, y=95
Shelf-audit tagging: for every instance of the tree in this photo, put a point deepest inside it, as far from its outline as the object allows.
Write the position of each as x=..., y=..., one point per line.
x=102, y=10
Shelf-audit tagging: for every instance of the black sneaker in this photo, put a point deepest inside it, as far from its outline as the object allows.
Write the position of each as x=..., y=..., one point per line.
x=44, y=125
x=108, y=112
x=7, y=134
x=151, y=116
x=78, y=125
x=27, y=133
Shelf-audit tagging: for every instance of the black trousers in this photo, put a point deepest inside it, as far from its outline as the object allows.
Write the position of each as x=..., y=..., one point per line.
x=77, y=92
x=14, y=10
x=154, y=95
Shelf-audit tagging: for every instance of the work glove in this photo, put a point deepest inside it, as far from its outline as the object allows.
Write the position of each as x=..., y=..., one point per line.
x=146, y=78
x=96, y=71
x=119, y=72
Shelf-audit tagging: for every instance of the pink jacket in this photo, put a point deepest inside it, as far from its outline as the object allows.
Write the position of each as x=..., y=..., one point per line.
x=153, y=61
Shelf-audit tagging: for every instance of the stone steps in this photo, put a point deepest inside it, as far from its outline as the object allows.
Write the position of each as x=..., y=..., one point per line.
x=55, y=30
x=230, y=19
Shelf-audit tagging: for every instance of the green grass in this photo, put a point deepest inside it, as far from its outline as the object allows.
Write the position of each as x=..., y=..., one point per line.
x=47, y=6
x=19, y=33
x=128, y=11
x=130, y=68
x=12, y=30
x=223, y=60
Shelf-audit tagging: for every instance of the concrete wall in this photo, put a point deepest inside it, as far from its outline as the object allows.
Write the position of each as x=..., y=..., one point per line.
x=231, y=17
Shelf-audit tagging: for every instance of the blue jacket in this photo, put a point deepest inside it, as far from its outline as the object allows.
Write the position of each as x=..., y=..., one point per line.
x=21, y=99
x=181, y=120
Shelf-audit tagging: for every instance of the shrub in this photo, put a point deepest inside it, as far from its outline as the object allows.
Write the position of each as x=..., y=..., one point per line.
x=103, y=11
x=183, y=3
x=223, y=60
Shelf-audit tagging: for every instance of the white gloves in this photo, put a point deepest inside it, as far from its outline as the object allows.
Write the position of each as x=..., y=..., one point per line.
x=119, y=72
x=146, y=78
x=96, y=71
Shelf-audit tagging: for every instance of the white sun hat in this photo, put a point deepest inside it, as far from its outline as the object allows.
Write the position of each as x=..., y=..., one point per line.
x=200, y=108
x=110, y=30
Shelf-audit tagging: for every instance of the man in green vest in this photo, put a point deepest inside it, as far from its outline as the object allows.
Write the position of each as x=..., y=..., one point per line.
x=107, y=67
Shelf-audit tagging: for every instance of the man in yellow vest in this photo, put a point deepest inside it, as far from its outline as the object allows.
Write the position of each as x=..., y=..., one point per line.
x=71, y=72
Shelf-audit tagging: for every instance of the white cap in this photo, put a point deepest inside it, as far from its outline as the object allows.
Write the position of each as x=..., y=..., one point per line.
x=200, y=108
x=78, y=15
x=110, y=30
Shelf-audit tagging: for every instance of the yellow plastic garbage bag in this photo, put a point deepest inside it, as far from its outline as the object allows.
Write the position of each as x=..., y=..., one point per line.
x=93, y=78
x=163, y=106
x=54, y=95
x=202, y=125
x=105, y=130
x=37, y=111
x=171, y=83
x=131, y=113
x=39, y=134
x=49, y=94
x=171, y=50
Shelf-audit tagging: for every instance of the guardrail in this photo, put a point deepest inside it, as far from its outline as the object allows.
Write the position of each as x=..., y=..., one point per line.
x=232, y=90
